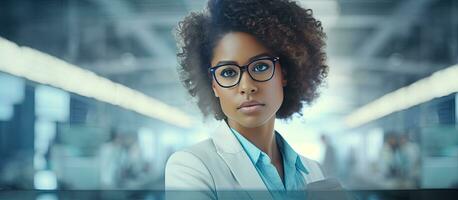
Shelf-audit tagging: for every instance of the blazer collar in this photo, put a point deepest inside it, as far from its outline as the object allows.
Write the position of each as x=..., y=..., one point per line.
x=225, y=141
x=231, y=151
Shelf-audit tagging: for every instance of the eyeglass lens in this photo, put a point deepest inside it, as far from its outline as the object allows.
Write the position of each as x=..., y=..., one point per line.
x=259, y=70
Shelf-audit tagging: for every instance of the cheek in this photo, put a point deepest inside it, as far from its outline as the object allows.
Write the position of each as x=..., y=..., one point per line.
x=226, y=100
x=276, y=91
x=279, y=93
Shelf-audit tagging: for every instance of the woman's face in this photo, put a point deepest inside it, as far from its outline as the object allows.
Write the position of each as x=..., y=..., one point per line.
x=262, y=99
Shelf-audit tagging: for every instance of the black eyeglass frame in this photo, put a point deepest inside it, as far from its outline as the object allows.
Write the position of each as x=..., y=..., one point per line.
x=211, y=70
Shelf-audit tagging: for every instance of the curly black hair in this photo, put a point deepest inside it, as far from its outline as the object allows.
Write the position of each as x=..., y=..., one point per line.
x=288, y=30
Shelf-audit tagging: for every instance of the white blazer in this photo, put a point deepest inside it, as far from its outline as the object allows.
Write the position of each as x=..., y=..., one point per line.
x=220, y=164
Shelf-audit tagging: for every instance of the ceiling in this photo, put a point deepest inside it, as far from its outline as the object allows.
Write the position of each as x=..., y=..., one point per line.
x=374, y=46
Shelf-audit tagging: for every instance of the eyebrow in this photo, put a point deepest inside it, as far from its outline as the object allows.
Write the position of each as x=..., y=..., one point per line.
x=225, y=62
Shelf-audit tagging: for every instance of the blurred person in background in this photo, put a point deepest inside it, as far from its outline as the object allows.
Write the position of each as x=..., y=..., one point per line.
x=330, y=158
x=248, y=62
x=122, y=165
x=390, y=158
x=410, y=153
x=349, y=169
x=109, y=153
x=393, y=164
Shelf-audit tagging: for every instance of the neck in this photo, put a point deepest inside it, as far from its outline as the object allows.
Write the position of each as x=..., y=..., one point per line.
x=262, y=136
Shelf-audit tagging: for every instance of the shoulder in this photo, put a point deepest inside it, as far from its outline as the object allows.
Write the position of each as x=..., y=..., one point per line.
x=190, y=164
x=193, y=155
x=199, y=152
x=202, y=149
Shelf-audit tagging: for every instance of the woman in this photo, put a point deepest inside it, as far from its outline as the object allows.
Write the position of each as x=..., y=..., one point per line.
x=248, y=62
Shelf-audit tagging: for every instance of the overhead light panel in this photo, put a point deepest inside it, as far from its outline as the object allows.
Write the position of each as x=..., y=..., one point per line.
x=439, y=84
x=40, y=67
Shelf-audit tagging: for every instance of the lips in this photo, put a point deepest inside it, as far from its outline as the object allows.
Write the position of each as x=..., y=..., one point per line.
x=250, y=107
x=251, y=103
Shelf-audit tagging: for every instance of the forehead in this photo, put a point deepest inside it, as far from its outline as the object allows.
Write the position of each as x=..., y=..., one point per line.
x=238, y=47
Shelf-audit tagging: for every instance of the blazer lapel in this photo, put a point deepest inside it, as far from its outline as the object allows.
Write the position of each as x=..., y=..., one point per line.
x=231, y=151
x=314, y=171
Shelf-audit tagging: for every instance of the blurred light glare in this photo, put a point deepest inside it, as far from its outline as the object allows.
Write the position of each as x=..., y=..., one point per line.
x=303, y=138
x=45, y=180
x=39, y=162
x=375, y=144
x=313, y=150
x=52, y=103
x=171, y=138
x=146, y=142
x=11, y=89
x=45, y=69
x=11, y=92
x=46, y=197
x=439, y=84
x=45, y=131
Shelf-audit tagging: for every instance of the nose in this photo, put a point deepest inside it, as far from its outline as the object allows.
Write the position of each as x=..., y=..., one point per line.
x=247, y=85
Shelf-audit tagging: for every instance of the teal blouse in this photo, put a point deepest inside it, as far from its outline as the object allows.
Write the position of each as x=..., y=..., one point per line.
x=292, y=166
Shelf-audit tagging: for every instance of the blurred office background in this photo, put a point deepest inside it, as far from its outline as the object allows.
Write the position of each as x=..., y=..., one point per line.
x=90, y=97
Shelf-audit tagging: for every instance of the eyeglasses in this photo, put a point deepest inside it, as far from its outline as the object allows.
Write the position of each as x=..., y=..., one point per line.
x=229, y=75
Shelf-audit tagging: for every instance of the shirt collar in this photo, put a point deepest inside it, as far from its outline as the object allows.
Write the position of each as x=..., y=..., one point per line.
x=254, y=153
x=290, y=156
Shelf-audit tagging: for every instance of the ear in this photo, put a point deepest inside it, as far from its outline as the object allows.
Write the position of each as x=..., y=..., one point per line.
x=215, y=92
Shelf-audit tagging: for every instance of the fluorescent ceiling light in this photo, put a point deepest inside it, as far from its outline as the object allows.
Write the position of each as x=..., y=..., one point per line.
x=46, y=69
x=439, y=84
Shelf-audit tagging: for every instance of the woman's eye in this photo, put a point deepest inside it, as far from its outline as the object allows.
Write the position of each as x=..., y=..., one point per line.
x=228, y=73
x=261, y=67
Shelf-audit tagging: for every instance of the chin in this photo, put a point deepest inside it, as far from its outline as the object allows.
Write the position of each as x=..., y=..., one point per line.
x=252, y=121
